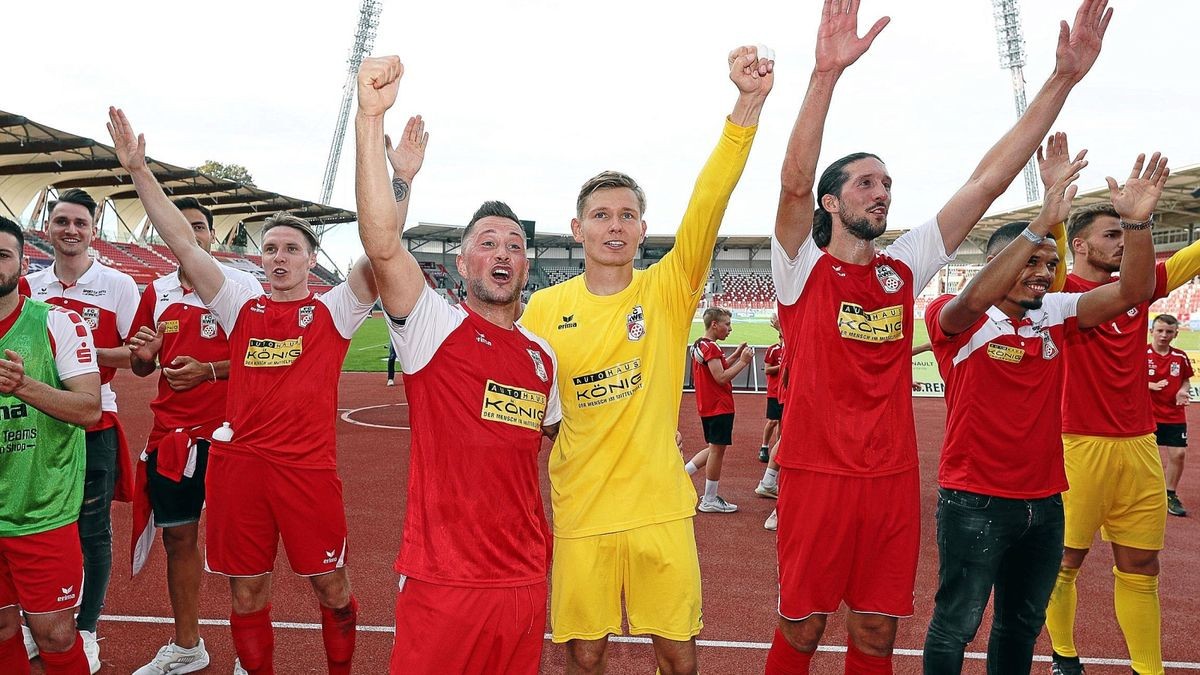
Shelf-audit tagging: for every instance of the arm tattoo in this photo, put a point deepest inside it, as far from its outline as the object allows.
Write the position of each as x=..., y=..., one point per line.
x=400, y=188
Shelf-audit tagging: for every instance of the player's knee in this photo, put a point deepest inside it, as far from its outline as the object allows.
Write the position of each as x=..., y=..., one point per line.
x=58, y=635
x=333, y=589
x=179, y=540
x=873, y=634
x=803, y=636
x=1136, y=561
x=249, y=595
x=10, y=622
x=588, y=656
x=1073, y=558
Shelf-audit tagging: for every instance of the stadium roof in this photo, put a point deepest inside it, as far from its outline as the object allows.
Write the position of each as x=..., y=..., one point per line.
x=34, y=156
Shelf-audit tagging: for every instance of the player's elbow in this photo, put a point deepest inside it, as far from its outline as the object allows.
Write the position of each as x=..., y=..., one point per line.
x=89, y=415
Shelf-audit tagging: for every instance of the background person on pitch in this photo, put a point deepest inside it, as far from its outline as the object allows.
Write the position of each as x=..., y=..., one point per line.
x=772, y=365
x=712, y=375
x=1170, y=372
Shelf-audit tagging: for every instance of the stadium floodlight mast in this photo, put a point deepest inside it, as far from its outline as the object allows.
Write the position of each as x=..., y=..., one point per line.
x=1010, y=43
x=364, y=41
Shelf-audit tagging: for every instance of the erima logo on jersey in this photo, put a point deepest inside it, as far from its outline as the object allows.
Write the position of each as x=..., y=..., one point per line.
x=880, y=325
x=513, y=405
x=482, y=339
x=568, y=322
x=273, y=353
x=68, y=594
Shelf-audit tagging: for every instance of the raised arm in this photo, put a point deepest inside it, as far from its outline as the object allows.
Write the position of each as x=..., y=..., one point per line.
x=176, y=232
x=1051, y=164
x=838, y=46
x=1078, y=47
x=383, y=204
x=1134, y=203
x=996, y=279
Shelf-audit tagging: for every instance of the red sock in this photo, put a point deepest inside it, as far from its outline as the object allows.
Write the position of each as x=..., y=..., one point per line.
x=71, y=662
x=12, y=656
x=858, y=663
x=338, y=632
x=784, y=659
x=254, y=641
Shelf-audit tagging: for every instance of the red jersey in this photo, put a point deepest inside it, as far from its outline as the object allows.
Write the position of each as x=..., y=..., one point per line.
x=712, y=397
x=774, y=357
x=106, y=299
x=1174, y=367
x=285, y=359
x=1004, y=381
x=478, y=394
x=189, y=329
x=849, y=327
x=1106, y=392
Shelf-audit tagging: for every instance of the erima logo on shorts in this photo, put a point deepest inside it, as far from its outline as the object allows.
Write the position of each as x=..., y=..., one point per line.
x=513, y=405
x=880, y=325
x=330, y=557
x=611, y=384
x=68, y=594
x=273, y=353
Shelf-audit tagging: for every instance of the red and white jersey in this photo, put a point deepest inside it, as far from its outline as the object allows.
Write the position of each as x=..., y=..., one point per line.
x=478, y=396
x=106, y=300
x=189, y=329
x=70, y=340
x=1175, y=366
x=1004, y=381
x=848, y=329
x=774, y=357
x=285, y=359
x=712, y=397
x=1106, y=392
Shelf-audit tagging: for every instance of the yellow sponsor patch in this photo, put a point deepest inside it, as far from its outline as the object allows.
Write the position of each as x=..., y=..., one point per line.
x=513, y=405
x=611, y=384
x=273, y=353
x=1006, y=353
x=171, y=326
x=881, y=325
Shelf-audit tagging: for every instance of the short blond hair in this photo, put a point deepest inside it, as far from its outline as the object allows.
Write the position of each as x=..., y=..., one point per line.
x=609, y=180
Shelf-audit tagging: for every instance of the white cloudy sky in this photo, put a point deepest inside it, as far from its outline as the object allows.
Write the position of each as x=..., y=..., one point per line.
x=525, y=99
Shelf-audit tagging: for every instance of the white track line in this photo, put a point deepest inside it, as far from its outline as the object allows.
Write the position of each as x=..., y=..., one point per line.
x=348, y=416
x=727, y=644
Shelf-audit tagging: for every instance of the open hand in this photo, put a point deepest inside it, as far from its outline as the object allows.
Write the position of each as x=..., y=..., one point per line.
x=1136, y=200
x=1079, y=45
x=1183, y=396
x=1054, y=158
x=130, y=147
x=409, y=154
x=1056, y=205
x=378, y=82
x=752, y=69
x=838, y=44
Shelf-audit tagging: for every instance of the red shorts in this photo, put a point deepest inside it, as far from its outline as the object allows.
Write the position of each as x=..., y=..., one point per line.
x=252, y=502
x=449, y=629
x=42, y=572
x=843, y=538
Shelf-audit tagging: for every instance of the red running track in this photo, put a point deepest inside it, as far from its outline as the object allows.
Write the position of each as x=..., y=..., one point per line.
x=737, y=559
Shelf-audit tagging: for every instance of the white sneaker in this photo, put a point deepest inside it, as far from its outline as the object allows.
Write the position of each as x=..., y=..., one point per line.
x=716, y=505
x=238, y=669
x=91, y=649
x=175, y=659
x=768, y=492
x=391, y=383
x=31, y=647
x=772, y=521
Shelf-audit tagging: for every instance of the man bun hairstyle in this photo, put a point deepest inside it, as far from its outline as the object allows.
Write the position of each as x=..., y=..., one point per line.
x=831, y=183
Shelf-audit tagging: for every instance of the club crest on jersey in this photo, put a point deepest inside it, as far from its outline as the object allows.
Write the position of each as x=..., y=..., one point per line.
x=635, y=324
x=208, y=326
x=306, y=316
x=1174, y=370
x=888, y=278
x=92, y=316
x=538, y=364
x=1049, y=349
